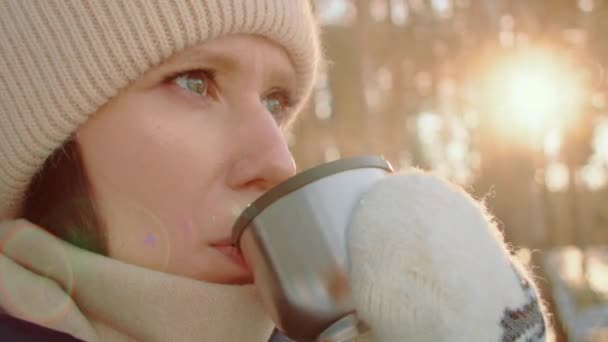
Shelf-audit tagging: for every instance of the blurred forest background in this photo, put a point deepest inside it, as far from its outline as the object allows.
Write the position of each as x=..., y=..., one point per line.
x=505, y=97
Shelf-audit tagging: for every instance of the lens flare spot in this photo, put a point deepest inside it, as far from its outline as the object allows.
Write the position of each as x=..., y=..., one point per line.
x=150, y=239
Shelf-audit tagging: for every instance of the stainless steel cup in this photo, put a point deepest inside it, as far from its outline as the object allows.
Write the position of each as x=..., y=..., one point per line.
x=293, y=238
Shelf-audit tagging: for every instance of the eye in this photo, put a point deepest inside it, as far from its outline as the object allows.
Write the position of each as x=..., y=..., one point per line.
x=199, y=82
x=277, y=103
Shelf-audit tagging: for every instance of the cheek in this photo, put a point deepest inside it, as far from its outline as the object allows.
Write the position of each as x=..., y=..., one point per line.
x=154, y=149
x=152, y=132
x=150, y=163
x=136, y=234
x=160, y=241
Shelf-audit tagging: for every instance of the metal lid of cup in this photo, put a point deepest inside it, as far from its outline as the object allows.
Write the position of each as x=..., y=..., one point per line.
x=300, y=180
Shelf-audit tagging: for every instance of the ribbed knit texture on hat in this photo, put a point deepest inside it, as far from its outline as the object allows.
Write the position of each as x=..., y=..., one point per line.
x=60, y=60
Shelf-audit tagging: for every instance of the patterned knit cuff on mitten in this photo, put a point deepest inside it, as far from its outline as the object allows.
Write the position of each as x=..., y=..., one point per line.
x=428, y=264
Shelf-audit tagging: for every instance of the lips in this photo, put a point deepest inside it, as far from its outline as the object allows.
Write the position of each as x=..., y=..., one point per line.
x=233, y=254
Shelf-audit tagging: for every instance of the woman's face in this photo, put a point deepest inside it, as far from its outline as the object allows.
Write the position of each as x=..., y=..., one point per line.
x=175, y=157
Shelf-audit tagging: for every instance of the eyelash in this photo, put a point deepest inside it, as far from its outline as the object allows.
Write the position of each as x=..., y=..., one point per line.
x=208, y=74
x=212, y=90
x=286, y=100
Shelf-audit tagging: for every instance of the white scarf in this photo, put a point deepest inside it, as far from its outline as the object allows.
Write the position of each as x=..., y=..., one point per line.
x=49, y=282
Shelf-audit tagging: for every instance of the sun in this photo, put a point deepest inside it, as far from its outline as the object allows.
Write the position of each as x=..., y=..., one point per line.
x=532, y=92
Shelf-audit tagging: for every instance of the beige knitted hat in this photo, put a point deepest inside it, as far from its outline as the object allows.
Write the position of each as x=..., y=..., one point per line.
x=60, y=60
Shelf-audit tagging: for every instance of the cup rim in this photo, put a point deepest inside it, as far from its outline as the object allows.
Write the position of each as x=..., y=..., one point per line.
x=300, y=180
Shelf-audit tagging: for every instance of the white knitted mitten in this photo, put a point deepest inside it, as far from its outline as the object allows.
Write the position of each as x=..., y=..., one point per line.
x=429, y=264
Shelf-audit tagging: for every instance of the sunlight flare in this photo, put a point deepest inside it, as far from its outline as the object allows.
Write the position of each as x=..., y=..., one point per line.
x=530, y=93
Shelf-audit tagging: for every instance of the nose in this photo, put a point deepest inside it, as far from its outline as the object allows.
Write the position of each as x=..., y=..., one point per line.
x=263, y=159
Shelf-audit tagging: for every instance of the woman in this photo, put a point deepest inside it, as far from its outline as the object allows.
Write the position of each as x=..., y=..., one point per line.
x=136, y=132
x=158, y=122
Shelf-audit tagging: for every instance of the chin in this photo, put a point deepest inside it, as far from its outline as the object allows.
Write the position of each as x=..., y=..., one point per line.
x=247, y=280
x=239, y=277
x=227, y=280
x=229, y=275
